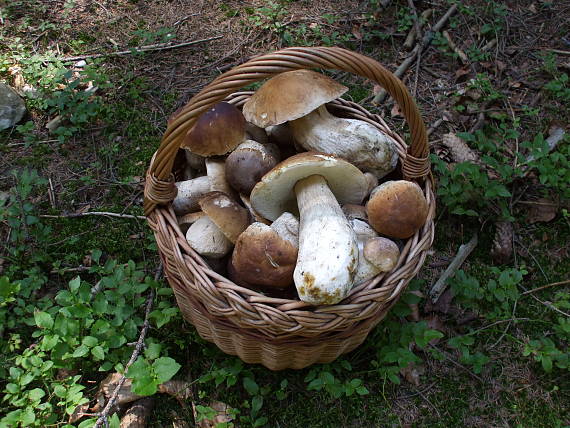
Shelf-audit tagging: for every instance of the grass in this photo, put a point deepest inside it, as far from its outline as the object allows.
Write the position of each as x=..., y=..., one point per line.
x=94, y=165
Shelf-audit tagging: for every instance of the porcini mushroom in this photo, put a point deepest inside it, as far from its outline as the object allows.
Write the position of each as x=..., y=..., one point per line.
x=328, y=251
x=228, y=215
x=216, y=132
x=263, y=257
x=397, y=208
x=207, y=239
x=382, y=253
x=364, y=232
x=247, y=164
x=299, y=97
x=189, y=193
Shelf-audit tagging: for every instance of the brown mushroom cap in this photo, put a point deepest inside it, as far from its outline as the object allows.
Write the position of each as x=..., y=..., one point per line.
x=275, y=193
x=262, y=257
x=289, y=96
x=231, y=218
x=247, y=164
x=382, y=253
x=397, y=209
x=217, y=131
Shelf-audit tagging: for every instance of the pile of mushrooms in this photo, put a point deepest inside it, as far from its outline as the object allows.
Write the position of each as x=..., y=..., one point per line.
x=284, y=197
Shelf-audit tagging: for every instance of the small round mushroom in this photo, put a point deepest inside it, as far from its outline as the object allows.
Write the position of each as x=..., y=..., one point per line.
x=247, y=164
x=188, y=219
x=216, y=132
x=262, y=257
x=382, y=253
x=299, y=97
x=328, y=251
x=228, y=215
x=207, y=239
x=397, y=209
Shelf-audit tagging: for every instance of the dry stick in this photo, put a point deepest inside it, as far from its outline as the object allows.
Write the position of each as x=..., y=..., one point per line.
x=414, y=33
x=462, y=56
x=95, y=213
x=552, y=284
x=147, y=48
x=140, y=343
x=424, y=43
x=434, y=126
x=463, y=252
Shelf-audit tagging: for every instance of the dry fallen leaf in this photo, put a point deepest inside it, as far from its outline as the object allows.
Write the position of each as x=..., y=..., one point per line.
x=542, y=210
x=502, y=249
x=222, y=415
x=356, y=32
x=396, y=111
x=137, y=415
x=412, y=373
x=460, y=151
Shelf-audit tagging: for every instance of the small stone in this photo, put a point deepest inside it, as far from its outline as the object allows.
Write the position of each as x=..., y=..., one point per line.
x=12, y=107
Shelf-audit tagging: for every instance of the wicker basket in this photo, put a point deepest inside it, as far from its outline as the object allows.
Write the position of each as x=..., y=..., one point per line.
x=282, y=333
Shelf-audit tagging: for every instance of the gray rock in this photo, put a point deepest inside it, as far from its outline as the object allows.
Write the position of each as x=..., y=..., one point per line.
x=12, y=107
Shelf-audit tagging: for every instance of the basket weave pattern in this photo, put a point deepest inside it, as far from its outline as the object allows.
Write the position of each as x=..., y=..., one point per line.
x=283, y=333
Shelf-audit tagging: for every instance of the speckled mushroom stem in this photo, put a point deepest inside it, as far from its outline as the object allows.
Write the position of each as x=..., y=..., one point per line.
x=328, y=249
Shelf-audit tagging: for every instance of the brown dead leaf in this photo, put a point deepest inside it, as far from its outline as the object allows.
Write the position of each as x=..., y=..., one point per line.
x=461, y=74
x=542, y=211
x=222, y=415
x=136, y=416
x=376, y=89
x=460, y=151
x=87, y=261
x=79, y=412
x=502, y=249
x=179, y=389
x=396, y=112
x=83, y=209
x=412, y=373
x=356, y=32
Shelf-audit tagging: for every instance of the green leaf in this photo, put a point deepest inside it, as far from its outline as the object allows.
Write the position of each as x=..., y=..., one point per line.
x=114, y=421
x=165, y=368
x=81, y=351
x=60, y=391
x=74, y=284
x=36, y=394
x=152, y=351
x=362, y=390
x=250, y=386
x=145, y=385
x=98, y=353
x=256, y=403
x=90, y=341
x=49, y=341
x=43, y=319
x=139, y=368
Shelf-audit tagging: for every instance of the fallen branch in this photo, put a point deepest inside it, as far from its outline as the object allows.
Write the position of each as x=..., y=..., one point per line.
x=139, y=346
x=463, y=252
x=421, y=45
x=146, y=48
x=414, y=33
x=462, y=55
x=95, y=213
x=552, y=284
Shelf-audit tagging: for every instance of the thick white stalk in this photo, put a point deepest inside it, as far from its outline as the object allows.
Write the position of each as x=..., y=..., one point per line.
x=328, y=250
x=356, y=141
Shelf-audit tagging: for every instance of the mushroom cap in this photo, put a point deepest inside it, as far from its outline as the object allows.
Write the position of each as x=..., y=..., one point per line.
x=275, y=193
x=397, y=208
x=216, y=132
x=231, y=218
x=262, y=257
x=247, y=164
x=207, y=239
x=289, y=96
x=382, y=253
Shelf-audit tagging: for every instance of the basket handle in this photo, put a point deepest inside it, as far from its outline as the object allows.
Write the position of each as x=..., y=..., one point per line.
x=159, y=187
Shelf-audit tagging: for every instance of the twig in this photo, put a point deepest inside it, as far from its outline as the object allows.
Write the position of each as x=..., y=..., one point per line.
x=463, y=252
x=462, y=55
x=553, y=139
x=146, y=48
x=424, y=43
x=414, y=35
x=452, y=361
x=140, y=343
x=434, y=126
x=552, y=284
x=95, y=213
x=558, y=51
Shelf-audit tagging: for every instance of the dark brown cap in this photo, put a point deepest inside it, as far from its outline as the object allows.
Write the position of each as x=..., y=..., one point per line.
x=216, y=132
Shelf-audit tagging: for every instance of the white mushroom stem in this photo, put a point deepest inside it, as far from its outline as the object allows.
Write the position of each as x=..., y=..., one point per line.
x=328, y=251
x=360, y=143
x=365, y=270
x=189, y=193
x=216, y=171
x=207, y=239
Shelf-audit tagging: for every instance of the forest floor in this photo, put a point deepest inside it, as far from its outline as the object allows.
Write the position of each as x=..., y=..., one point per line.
x=493, y=88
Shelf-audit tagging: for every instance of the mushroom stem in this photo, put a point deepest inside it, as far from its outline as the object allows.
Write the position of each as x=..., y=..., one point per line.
x=328, y=250
x=357, y=141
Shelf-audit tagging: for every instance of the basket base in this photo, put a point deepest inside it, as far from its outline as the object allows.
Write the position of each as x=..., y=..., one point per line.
x=274, y=356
